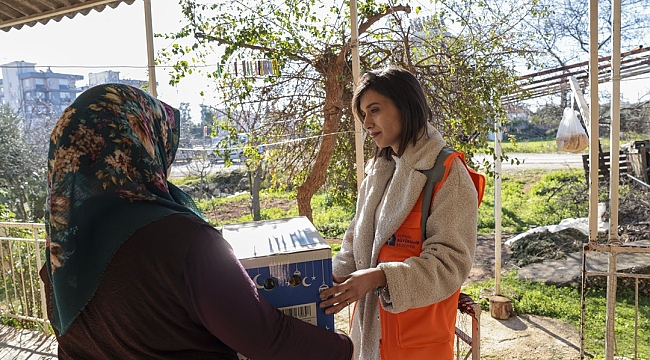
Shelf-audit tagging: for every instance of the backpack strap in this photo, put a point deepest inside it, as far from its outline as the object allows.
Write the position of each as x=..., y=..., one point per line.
x=434, y=176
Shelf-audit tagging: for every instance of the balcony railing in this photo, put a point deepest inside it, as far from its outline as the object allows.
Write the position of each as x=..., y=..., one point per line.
x=22, y=294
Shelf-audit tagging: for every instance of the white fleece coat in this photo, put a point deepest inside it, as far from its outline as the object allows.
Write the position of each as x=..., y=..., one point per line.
x=447, y=253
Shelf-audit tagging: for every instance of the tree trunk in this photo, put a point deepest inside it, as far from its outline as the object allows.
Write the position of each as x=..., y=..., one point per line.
x=22, y=200
x=334, y=89
x=255, y=184
x=202, y=185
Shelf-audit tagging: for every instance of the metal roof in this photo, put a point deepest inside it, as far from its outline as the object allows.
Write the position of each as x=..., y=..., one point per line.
x=14, y=14
x=553, y=81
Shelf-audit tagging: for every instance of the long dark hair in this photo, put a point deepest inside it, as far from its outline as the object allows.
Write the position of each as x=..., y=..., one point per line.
x=405, y=91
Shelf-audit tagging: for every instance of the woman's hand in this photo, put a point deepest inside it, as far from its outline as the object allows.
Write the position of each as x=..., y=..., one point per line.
x=351, y=288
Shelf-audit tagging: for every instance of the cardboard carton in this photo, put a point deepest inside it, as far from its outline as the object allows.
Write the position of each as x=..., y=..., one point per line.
x=289, y=262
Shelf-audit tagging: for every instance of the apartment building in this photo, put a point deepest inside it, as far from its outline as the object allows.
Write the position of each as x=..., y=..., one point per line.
x=33, y=93
x=110, y=76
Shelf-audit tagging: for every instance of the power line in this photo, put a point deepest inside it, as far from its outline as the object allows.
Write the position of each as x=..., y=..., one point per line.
x=274, y=143
x=102, y=66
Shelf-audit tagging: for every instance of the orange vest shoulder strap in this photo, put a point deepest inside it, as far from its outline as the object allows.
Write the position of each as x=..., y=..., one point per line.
x=437, y=175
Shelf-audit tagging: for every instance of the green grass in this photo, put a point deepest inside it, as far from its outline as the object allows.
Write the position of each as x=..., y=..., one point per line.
x=564, y=303
x=625, y=138
x=335, y=249
x=205, y=205
x=536, y=147
x=522, y=205
x=549, y=146
x=329, y=219
x=548, y=201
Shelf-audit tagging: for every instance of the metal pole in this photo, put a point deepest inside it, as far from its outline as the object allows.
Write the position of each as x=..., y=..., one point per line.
x=358, y=134
x=610, y=319
x=593, y=121
x=593, y=151
x=616, y=122
x=615, y=129
x=497, y=208
x=150, y=57
x=41, y=286
x=583, y=305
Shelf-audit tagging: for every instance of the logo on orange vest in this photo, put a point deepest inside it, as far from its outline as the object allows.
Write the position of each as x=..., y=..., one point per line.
x=403, y=241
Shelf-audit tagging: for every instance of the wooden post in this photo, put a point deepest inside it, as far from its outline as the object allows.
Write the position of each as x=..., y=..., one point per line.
x=645, y=163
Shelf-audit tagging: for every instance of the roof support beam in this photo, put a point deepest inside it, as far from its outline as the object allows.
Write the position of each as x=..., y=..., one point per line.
x=150, y=50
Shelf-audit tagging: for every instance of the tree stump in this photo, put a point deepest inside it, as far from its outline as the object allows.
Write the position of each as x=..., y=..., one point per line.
x=500, y=307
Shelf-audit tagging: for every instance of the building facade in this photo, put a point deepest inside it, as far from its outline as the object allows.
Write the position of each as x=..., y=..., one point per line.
x=35, y=94
x=109, y=76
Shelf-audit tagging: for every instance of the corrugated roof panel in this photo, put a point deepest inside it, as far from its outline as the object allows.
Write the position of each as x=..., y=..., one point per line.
x=14, y=14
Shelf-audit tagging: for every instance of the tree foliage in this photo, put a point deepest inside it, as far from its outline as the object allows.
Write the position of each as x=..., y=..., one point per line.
x=186, y=125
x=563, y=36
x=22, y=175
x=245, y=129
x=565, y=31
x=460, y=50
x=635, y=118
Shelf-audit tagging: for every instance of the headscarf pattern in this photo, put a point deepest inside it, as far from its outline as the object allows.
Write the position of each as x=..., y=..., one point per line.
x=109, y=155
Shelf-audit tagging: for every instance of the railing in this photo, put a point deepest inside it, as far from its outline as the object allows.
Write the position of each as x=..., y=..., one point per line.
x=22, y=253
x=613, y=250
x=468, y=329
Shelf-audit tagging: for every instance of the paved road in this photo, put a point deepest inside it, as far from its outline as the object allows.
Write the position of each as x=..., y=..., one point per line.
x=527, y=161
x=540, y=161
x=184, y=169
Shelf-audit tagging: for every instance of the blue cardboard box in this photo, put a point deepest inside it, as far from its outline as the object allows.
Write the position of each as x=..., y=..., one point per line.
x=289, y=262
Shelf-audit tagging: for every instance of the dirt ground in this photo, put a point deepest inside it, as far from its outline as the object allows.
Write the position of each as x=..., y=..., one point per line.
x=529, y=337
x=523, y=337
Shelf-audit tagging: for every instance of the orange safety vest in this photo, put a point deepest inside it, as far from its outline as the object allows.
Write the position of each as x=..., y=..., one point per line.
x=427, y=332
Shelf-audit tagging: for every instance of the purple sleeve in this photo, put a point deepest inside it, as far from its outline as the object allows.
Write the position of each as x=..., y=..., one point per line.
x=229, y=306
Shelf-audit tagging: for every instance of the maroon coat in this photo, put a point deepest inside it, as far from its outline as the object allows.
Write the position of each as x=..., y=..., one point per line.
x=175, y=290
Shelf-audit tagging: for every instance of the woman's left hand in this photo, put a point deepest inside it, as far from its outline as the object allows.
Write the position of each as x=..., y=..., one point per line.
x=350, y=288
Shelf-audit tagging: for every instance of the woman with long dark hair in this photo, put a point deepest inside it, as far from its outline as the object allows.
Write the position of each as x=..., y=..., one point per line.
x=403, y=264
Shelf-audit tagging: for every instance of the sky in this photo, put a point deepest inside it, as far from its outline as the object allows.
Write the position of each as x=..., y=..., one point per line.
x=113, y=39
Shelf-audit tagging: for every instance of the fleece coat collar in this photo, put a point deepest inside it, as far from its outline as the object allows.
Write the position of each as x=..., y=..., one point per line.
x=404, y=174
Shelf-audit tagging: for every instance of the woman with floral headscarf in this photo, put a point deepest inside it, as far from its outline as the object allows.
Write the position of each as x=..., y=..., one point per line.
x=133, y=270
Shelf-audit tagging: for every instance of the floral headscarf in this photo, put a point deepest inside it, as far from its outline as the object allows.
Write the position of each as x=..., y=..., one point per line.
x=107, y=164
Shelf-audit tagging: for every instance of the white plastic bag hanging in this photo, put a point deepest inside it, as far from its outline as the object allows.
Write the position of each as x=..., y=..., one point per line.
x=571, y=136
